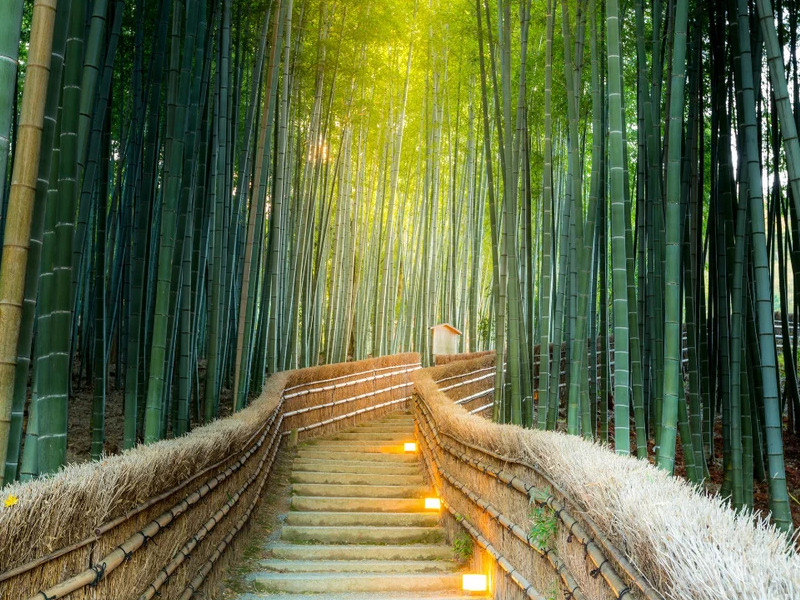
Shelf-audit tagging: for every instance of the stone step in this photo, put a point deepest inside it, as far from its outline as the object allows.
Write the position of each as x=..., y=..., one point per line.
x=361, y=491
x=362, y=535
x=363, y=596
x=356, y=566
x=387, y=437
x=428, y=552
x=358, y=528
x=317, y=518
x=361, y=454
x=405, y=414
x=384, y=426
x=310, y=583
x=356, y=478
x=380, y=505
x=355, y=466
x=357, y=445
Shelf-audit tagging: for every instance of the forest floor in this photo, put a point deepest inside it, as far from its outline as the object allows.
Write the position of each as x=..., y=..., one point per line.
x=79, y=428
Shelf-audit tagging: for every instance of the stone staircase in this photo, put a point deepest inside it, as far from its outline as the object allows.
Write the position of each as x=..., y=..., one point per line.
x=358, y=528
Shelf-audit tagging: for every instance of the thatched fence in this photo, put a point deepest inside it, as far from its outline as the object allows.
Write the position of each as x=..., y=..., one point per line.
x=558, y=516
x=160, y=520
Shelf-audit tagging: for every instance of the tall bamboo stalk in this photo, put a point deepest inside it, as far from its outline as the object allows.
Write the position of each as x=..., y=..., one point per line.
x=20, y=204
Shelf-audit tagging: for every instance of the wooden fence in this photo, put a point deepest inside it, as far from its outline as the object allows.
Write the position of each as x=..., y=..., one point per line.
x=160, y=520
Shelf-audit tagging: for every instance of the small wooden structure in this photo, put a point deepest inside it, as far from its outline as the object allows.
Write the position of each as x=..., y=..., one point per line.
x=445, y=339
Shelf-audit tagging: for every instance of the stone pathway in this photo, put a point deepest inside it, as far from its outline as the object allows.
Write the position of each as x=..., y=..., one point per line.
x=358, y=528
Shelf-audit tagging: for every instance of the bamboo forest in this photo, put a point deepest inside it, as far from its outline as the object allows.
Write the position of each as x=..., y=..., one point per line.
x=604, y=196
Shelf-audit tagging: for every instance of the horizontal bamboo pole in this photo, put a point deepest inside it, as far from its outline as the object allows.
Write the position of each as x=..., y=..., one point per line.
x=475, y=396
x=185, y=551
x=138, y=540
x=358, y=373
x=481, y=409
x=329, y=388
x=460, y=375
x=347, y=400
x=600, y=556
x=350, y=414
x=467, y=382
x=571, y=587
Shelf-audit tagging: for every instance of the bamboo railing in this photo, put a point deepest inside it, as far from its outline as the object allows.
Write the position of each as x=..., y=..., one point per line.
x=555, y=515
x=171, y=511
x=491, y=497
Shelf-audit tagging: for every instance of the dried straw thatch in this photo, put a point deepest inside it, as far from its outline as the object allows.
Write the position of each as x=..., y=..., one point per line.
x=683, y=542
x=192, y=495
x=446, y=359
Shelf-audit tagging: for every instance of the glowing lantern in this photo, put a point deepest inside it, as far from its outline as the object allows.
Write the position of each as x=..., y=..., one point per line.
x=433, y=503
x=474, y=582
x=410, y=446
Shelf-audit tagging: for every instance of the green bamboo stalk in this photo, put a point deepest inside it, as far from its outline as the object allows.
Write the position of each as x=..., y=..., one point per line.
x=54, y=367
x=673, y=377
x=98, y=420
x=28, y=317
x=21, y=204
x=618, y=218
x=546, y=280
x=779, y=500
x=9, y=53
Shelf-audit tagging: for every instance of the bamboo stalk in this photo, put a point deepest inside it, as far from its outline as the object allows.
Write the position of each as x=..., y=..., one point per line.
x=16, y=241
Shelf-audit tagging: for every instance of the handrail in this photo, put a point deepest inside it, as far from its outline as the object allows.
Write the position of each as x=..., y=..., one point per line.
x=300, y=411
x=529, y=491
x=261, y=444
x=571, y=586
x=597, y=546
x=123, y=552
x=408, y=368
x=109, y=525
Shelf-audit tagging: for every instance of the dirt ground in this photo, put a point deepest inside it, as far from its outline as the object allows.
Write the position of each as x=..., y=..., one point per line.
x=79, y=431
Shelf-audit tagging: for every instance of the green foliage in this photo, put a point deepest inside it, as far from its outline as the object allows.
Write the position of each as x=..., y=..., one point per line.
x=485, y=330
x=463, y=546
x=544, y=525
x=552, y=592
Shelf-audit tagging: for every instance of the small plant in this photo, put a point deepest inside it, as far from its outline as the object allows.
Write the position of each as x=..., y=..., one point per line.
x=463, y=546
x=544, y=525
x=552, y=591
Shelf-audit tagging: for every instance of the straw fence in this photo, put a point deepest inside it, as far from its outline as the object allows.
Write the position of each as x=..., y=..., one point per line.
x=554, y=514
x=446, y=359
x=160, y=520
